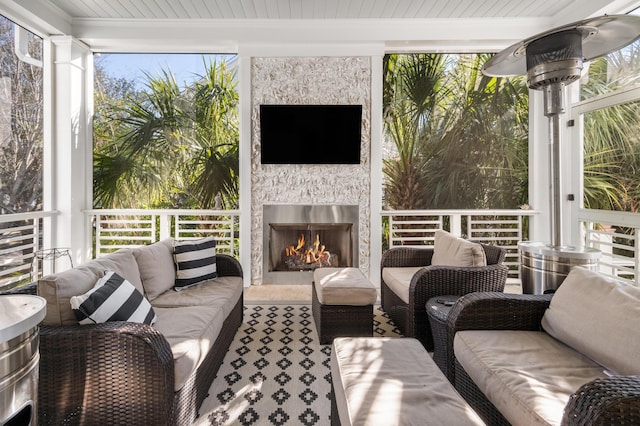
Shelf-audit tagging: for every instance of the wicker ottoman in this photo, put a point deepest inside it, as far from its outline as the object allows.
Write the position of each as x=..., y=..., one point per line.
x=342, y=303
x=392, y=381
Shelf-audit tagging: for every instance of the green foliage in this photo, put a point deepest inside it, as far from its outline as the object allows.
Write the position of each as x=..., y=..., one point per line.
x=612, y=135
x=167, y=147
x=459, y=137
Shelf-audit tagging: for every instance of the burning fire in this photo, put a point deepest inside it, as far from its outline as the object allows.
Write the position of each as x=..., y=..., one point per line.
x=315, y=254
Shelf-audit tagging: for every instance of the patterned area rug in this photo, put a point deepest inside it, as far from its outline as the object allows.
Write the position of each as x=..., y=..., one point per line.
x=276, y=372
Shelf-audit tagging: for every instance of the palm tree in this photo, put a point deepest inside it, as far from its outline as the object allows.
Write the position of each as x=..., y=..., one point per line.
x=169, y=147
x=611, y=135
x=460, y=137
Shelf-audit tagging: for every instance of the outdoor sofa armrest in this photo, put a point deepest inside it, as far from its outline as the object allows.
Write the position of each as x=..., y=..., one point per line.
x=400, y=257
x=435, y=280
x=498, y=311
x=110, y=373
x=228, y=266
x=605, y=401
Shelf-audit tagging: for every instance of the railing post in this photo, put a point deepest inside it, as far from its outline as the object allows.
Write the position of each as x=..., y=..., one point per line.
x=36, y=247
x=455, y=221
x=98, y=236
x=165, y=225
x=636, y=269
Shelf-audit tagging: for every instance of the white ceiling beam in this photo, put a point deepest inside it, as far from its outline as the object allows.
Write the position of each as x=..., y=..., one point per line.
x=194, y=35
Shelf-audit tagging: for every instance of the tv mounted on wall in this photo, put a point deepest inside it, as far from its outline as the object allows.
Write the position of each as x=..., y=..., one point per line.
x=310, y=134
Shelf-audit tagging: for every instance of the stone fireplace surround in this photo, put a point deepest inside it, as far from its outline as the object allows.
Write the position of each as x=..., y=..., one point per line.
x=310, y=80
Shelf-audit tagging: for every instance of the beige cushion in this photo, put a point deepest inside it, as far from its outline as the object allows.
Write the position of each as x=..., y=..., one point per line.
x=157, y=269
x=597, y=316
x=527, y=375
x=449, y=250
x=393, y=381
x=191, y=332
x=343, y=286
x=58, y=288
x=222, y=293
x=399, y=280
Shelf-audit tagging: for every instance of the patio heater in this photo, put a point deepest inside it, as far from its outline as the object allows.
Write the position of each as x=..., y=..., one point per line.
x=552, y=60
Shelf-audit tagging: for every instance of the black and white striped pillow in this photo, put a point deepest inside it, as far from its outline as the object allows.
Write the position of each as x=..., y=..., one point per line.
x=113, y=298
x=195, y=262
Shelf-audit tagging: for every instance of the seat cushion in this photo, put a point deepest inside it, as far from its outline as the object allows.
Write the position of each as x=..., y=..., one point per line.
x=343, y=286
x=393, y=381
x=191, y=332
x=597, y=316
x=528, y=375
x=449, y=250
x=222, y=293
x=157, y=271
x=399, y=280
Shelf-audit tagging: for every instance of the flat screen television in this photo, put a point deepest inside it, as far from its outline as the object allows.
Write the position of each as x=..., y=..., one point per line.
x=310, y=134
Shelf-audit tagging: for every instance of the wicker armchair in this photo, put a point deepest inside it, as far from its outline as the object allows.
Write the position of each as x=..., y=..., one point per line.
x=603, y=401
x=120, y=373
x=430, y=281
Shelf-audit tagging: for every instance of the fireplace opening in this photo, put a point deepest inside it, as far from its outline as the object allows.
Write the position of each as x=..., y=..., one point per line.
x=299, y=238
x=307, y=246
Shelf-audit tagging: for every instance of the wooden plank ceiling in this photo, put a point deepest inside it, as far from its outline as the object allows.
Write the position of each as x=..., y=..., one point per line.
x=314, y=9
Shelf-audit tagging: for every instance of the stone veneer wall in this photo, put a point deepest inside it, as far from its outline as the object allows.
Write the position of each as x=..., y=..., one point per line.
x=310, y=80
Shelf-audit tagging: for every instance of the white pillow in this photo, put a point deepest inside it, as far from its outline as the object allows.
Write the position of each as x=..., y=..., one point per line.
x=112, y=299
x=597, y=316
x=195, y=262
x=449, y=250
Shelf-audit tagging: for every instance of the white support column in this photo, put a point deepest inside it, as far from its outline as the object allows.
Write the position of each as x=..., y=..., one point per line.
x=539, y=183
x=573, y=177
x=375, y=163
x=71, y=147
x=244, y=89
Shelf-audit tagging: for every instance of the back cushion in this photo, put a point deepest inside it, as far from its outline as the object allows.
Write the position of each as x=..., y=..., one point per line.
x=57, y=289
x=156, y=266
x=598, y=317
x=450, y=250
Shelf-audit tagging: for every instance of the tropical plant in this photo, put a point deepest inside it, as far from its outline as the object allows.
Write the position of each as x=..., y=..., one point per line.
x=611, y=136
x=459, y=137
x=170, y=147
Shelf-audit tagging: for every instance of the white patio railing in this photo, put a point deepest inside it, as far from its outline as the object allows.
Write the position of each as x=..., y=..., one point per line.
x=125, y=228
x=617, y=236
x=505, y=228
x=20, y=239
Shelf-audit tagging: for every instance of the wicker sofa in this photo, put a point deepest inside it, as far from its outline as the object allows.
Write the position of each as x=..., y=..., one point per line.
x=129, y=373
x=570, y=358
x=410, y=270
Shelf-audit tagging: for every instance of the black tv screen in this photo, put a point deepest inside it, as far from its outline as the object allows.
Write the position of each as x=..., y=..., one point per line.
x=310, y=134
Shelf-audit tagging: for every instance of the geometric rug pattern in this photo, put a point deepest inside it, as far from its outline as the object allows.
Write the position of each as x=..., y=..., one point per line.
x=276, y=372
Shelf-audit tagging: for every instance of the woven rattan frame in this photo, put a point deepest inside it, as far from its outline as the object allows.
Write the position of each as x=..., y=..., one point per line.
x=341, y=320
x=430, y=281
x=121, y=373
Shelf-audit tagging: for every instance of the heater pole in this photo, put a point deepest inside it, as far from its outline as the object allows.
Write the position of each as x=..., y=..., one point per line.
x=553, y=107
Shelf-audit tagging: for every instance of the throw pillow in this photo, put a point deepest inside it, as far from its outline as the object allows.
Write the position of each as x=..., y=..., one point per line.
x=195, y=262
x=113, y=298
x=449, y=250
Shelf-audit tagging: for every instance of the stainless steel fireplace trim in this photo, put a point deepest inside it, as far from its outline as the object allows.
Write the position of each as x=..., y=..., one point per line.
x=305, y=213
